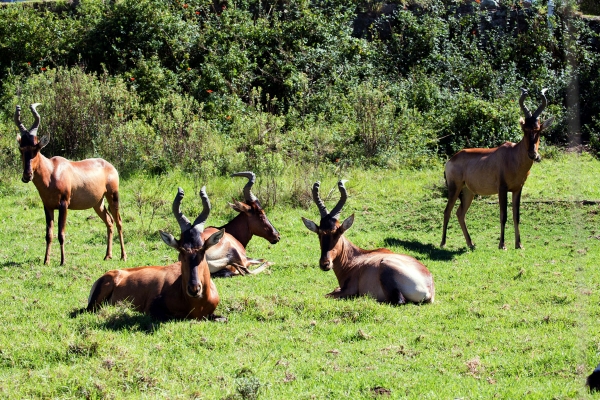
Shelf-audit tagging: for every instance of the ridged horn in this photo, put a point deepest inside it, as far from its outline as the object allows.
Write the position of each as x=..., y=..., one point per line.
x=317, y=199
x=248, y=195
x=20, y=125
x=199, y=222
x=542, y=106
x=335, y=212
x=36, y=116
x=184, y=223
x=522, y=103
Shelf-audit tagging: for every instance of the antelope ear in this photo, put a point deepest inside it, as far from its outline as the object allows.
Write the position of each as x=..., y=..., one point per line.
x=347, y=223
x=214, y=239
x=546, y=124
x=240, y=207
x=44, y=141
x=310, y=225
x=169, y=239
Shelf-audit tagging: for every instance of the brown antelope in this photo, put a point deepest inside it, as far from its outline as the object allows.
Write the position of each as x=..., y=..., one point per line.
x=64, y=185
x=180, y=290
x=229, y=257
x=499, y=170
x=386, y=276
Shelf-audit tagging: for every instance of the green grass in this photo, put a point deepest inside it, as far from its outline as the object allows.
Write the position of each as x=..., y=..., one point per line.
x=506, y=324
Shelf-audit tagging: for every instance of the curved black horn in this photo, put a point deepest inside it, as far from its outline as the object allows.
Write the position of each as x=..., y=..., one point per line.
x=335, y=212
x=199, y=222
x=522, y=103
x=542, y=107
x=36, y=116
x=184, y=223
x=18, y=121
x=248, y=196
x=317, y=199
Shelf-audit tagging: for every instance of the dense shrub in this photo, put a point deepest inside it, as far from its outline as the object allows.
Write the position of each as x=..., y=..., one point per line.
x=213, y=87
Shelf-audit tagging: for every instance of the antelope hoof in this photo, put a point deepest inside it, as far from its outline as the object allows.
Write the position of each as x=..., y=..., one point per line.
x=123, y=257
x=108, y=257
x=519, y=246
x=443, y=244
x=501, y=246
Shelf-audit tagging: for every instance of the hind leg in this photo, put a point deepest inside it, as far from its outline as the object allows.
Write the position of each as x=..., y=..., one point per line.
x=390, y=286
x=466, y=198
x=101, y=292
x=453, y=193
x=113, y=207
x=108, y=221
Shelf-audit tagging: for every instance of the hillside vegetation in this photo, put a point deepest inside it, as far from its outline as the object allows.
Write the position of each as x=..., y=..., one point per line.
x=216, y=87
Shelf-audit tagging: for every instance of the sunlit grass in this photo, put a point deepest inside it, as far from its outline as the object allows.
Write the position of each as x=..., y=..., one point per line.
x=510, y=324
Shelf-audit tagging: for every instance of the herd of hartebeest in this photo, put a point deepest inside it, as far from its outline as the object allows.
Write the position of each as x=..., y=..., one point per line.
x=185, y=289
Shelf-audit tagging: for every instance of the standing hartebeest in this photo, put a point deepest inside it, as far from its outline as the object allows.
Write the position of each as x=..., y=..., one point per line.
x=229, y=257
x=499, y=170
x=386, y=276
x=64, y=184
x=180, y=290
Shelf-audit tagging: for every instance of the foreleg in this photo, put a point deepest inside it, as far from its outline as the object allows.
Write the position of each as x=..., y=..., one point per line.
x=516, y=205
x=62, y=223
x=49, y=232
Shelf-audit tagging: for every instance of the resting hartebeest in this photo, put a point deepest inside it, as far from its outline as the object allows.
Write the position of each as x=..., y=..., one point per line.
x=229, y=257
x=64, y=184
x=386, y=276
x=499, y=170
x=180, y=290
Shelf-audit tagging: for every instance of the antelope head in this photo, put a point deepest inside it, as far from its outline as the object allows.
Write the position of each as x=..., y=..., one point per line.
x=29, y=144
x=258, y=223
x=329, y=230
x=531, y=126
x=190, y=246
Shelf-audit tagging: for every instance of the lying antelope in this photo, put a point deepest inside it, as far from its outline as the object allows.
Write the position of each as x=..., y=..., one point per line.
x=180, y=290
x=64, y=185
x=386, y=276
x=229, y=257
x=499, y=170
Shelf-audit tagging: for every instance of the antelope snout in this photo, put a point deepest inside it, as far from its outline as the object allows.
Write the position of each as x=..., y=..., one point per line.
x=26, y=178
x=194, y=289
x=276, y=239
x=535, y=156
x=325, y=264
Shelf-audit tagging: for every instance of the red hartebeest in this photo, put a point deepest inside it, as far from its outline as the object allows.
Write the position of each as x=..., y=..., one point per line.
x=64, y=185
x=386, y=276
x=499, y=170
x=180, y=290
x=229, y=257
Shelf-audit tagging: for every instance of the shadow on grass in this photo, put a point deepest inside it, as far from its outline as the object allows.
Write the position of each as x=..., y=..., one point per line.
x=122, y=319
x=434, y=252
x=10, y=263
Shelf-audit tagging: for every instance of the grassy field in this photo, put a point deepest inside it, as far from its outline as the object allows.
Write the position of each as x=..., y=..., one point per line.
x=506, y=324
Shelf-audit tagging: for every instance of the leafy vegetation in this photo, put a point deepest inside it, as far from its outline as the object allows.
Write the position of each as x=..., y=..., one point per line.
x=157, y=84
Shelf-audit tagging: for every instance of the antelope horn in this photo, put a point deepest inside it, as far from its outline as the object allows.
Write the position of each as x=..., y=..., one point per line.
x=335, y=213
x=199, y=222
x=541, y=108
x=20, y=125
x=36, y=123
x=184, y=223
x=248, y=196
x=522, y=103
x=318, y=201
